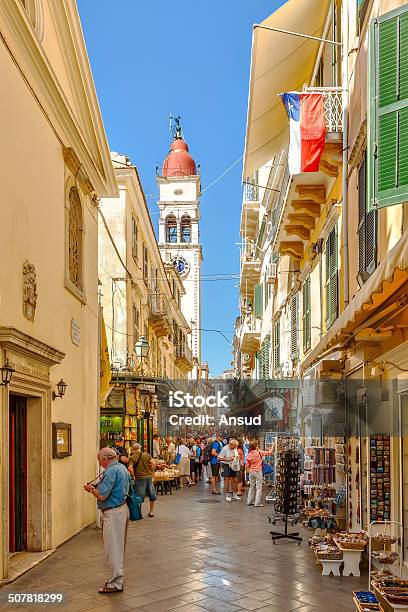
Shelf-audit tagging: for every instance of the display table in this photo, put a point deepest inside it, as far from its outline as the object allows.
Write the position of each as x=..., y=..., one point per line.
x=351, y=559
x=388, y=606
x=331, y=565
x=359, y=607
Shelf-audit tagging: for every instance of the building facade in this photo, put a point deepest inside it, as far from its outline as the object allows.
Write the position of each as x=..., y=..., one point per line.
x=332, y=243
x=141, y=298
x=179, y=235
x=55, y=163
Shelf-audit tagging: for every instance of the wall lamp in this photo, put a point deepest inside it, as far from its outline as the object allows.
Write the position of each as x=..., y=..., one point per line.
x=6, y=374
x=61, y=388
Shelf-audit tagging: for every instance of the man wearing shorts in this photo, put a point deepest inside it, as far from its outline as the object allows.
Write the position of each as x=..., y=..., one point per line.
x=216, y=447
x=227, y=455
x=141, y=468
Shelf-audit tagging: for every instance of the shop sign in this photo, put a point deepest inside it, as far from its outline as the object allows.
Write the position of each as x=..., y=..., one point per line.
x=147, y=388
x=133, y=404
x=75, y=332
x=116, y=398
x=61, y=440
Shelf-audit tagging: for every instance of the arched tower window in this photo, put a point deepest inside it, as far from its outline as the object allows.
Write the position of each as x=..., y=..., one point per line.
x=185, y=228
x=75, y=230
x=171, y=228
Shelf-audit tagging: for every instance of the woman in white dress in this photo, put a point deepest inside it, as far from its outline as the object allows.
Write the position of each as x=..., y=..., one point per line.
x=184, y=463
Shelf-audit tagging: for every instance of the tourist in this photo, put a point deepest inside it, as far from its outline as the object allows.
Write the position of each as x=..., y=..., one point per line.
x=216, y=448
x=241, y=471
x=141, y=466
x=156, y=447
x=184, y=463
x=201, y=444
x=228, y=457
x=111, y=493
x=253, y=464
x=195, y=453
x=171, y=449
x=121, y=451
x=206, y=454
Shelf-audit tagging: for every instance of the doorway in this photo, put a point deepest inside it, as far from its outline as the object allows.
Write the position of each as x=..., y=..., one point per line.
x=17, y=473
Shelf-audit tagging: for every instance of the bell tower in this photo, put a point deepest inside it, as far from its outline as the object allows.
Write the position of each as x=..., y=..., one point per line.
x=179, y=236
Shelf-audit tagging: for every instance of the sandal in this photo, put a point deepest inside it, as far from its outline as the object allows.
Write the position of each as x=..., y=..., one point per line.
x=151, y=515
x=105, y=589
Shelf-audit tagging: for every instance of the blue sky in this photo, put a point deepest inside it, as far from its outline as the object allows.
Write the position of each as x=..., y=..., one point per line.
x=153, y=57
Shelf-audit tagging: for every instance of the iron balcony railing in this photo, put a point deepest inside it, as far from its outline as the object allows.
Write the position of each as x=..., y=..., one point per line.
x=333, y=106
x=183, y=351
x=251, y=191
x=158, y=304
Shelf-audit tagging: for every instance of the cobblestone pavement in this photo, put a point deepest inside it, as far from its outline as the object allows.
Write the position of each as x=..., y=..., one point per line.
x=193, y=556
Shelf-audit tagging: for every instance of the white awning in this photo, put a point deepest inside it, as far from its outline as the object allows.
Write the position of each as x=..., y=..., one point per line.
x=279, y=63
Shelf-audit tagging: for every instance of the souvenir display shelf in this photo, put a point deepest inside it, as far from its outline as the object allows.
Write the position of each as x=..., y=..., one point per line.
x=384, y=535
x=380, y=483
x=287, y=491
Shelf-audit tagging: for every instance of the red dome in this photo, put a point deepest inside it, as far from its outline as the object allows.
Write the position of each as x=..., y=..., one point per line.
x=179, y=161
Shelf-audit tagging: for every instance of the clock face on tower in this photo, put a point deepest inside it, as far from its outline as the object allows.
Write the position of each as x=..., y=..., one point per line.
x=182, y=266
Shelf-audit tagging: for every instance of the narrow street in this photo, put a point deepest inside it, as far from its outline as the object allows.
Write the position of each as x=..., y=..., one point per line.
x=198, y=553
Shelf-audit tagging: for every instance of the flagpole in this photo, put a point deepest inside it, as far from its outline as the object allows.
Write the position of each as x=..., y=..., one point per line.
x=324, y=40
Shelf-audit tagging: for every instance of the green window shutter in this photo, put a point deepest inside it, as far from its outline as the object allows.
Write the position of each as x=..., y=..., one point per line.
x=306, y=315
x=331, y=278
x=367, y=227
x=294, y=326
x=388, y=110
x=258, y=300
x=276, y=345
x=264, y=358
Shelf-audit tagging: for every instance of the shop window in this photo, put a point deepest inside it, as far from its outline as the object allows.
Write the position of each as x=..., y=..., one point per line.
x=75, y=238
x=332, y=281
x=294, y=326
x=306, y=315
x=171, y=229
x=367, y=228
x=185, y=228
x=388, y=110
x=134, y=239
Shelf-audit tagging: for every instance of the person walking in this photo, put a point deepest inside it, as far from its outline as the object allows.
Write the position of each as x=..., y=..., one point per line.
x=253, y=463
x=229, y=458
x=195, y=452
x=171, y=449
x=216, y=448
x=241, y=471
x=121, y=451
x=156, y=447
x=184, y=463
x=111, y=493
x=206, y=454
x=141, y=466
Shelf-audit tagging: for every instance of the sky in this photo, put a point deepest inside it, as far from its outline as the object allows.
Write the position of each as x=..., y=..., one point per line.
x=151, y=58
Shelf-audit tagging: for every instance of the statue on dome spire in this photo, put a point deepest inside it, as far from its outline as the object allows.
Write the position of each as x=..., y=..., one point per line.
x=176, y=128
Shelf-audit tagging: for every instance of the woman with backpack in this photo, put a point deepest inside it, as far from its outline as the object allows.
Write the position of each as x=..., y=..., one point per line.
x=206, y=454
x=254, y=464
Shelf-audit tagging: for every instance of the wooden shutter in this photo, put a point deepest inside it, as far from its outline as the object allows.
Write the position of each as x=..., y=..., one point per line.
x=263, y=358
x=306, y=315
x=367, y=227
x=388, y=110
x=331, y=278
x=276, y=344
x=258, y=300
x=294, y=326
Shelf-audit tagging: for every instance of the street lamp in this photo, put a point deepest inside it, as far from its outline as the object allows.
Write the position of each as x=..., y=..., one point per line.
x=61, y=388
x=6, y=374
x=142, y=350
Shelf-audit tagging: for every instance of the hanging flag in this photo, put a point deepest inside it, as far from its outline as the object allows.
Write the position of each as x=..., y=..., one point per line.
x=105, y=371
x=307, y=130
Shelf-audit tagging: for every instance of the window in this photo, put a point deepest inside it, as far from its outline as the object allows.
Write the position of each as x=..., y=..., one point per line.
x=75, y=237
x=263, y=358
x=185, y=228
x=306, y=315
x=367, y=227
x=331, y=278
x=171, y=228
x=276, y=345
x=145, y=265
x=294, y=326
x=134, y=239
x=388, y=110
x=258, y=300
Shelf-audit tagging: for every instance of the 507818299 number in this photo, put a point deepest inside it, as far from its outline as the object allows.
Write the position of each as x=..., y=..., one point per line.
x=35, y=598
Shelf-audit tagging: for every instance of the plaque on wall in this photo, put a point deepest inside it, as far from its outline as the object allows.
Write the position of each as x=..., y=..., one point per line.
x=116, y=398
x=61, y=440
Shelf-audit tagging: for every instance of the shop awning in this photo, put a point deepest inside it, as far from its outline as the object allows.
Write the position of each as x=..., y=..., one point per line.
x=279, y=63
x=390, y=276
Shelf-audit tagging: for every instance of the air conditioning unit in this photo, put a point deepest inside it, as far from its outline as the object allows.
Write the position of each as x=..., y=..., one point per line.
x=272, y=273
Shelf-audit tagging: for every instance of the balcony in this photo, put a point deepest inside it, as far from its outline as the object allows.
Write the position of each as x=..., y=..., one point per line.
x=302, y=196
x=250, y=268
x=250, y=334
x=250, y=211
x=183, y=357
x=159, y=316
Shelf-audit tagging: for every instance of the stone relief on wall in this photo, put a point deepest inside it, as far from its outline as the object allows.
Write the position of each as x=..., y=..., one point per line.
x=29, y=290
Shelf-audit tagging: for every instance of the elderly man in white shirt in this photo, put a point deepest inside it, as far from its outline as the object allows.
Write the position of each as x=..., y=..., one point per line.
x=229, y=459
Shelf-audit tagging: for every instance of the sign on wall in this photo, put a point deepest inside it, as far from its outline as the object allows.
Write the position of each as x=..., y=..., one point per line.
x=61, y=440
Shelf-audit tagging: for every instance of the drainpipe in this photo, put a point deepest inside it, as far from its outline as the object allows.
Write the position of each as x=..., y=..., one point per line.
x=345, y=77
